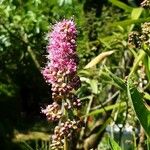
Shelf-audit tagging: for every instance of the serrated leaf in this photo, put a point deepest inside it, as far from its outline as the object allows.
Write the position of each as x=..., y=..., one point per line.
x=98, y=59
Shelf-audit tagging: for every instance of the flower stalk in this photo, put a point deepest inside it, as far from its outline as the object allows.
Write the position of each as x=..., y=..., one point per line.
x=61, y=73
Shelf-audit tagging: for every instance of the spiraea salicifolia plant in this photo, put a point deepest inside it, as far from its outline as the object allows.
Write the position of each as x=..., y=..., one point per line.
x=61, y=73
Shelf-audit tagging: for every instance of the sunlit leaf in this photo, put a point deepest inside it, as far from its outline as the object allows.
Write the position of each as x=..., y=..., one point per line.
x=107, y=108
x=146, y=96
x=94, y=86
x=141, y=110
x=114, y=145
x=147, y=66
x=61, y=2
x=139, y=57
x=121, y=5
x=119, y=82
x=98, y=59
x=136, y=12
x=130, y=21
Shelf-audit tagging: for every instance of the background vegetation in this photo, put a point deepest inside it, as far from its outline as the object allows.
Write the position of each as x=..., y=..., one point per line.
x=106, y=92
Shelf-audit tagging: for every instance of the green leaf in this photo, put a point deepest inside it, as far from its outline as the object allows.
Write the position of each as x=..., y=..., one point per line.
x=129, y=22
x=139, y=57
x=136, y=13
x=83, y=79
x=107, y=108
x=147, y=66
x=146, y=96
x=62, y=2
x=117, y=80
x=121, y=5
x=98, y=59
x=7, y=89
x=87, y=72
x=114, y=145
x=149, y=63
x=94, y=86
x=141, y=110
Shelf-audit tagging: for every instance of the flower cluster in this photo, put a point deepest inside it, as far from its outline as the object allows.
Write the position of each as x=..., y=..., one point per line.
x=134, y=39
x=61, y=73
x=146, y=4
x=74, y=103
x=138, y=39
x=61, y=49
x=64, y=130
x=142, y=79
x=52, y=112
x=146, y=28
x=141, y=39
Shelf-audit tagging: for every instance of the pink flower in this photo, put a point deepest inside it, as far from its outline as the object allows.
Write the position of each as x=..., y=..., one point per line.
x=62, y=45
x=61, y=51
x=61, y=68
x=61, y=72
x=52, y=112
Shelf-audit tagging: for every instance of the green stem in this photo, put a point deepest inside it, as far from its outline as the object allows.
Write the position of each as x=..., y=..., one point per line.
x=65, y=144
x=66, y=147
x=33, y=56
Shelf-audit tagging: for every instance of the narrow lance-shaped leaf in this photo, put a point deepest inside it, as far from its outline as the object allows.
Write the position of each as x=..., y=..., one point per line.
x=113, y=145
x=130, y=21
x=121, y=5
x=94, y=86
x=140, y=57
x=146, y=96
x=98, y=59
x=107, y=108
x=119, y=82
x=147, y=66
x=141, y=110
x=135, y=14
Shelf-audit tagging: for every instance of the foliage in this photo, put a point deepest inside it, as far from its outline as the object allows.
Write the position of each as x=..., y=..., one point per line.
x=115, y=86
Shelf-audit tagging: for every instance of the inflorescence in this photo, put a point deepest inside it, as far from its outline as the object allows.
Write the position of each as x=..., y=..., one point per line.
x=146, y=4
x=61, y=73
x=139, y=39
